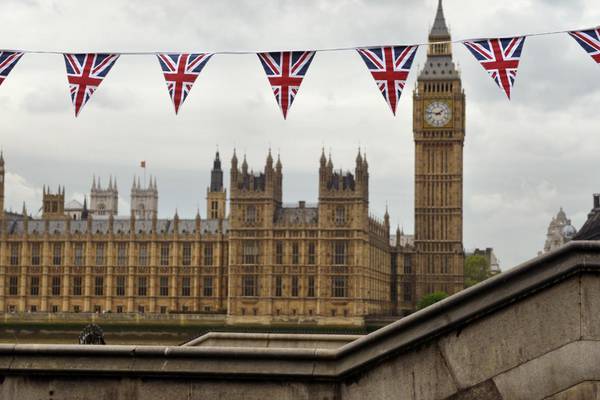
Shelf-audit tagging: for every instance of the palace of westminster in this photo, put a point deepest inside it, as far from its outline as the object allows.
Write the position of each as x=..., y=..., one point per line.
x=253, y=258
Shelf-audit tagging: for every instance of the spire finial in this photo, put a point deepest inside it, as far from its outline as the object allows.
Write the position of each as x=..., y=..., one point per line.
x=439, y=29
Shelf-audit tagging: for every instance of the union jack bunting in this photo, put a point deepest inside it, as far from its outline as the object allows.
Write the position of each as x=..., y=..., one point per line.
x=500, y=58
x=8, y=60
x=285, y=71
x=181, y=71
x=85, y=73
x=390, y=67
x=590, y=41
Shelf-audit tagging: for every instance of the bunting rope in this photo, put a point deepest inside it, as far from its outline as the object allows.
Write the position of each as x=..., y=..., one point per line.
x=322, y=50
x=389, y=66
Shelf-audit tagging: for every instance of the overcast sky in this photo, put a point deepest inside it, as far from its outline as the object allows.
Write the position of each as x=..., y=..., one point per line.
x=523, y=159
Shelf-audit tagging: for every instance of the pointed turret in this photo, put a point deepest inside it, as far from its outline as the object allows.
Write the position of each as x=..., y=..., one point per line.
x=359, y=158
x=234, y=160
x=269, y=159
x=244, y=166
x=386, y=218
x=198, y=222
x=176, y=223
x=439, y=30
x=93, y=182
x=216, y=175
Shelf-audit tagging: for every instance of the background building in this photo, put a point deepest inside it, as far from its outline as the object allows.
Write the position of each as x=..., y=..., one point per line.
x=560, y=231
x=104, y=201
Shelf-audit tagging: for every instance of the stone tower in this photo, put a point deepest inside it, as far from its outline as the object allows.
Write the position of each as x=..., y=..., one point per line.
x=104, y=201
x=344, y=197
x=53, y=203
x=216, y=195
x=255, y=197
x=2, y=176
x=439, y=131
x=144, y=201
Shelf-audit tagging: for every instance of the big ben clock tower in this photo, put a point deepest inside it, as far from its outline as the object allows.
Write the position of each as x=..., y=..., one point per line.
x=439, y=132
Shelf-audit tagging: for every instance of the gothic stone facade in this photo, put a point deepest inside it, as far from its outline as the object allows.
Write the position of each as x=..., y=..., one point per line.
x=263, y=262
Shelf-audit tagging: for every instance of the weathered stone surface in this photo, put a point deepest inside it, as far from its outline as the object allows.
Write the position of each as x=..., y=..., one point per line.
x=421, y=374
x=26, y=388
x=484, y=391
x=590, y=304
x=551, y=373
x=582, y=391
x=35, y=387
x=514, y=335
x=261, y=391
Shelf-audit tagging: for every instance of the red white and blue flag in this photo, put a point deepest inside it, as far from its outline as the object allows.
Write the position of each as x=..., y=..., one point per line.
x=181, y=71
x=285, y=71
x=500, y=58
x=8, y=60
x=85, y=73
x=389, y=66
x=590, y=41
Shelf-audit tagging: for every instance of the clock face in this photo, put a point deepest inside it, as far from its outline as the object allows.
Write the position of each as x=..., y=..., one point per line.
x=437, y=113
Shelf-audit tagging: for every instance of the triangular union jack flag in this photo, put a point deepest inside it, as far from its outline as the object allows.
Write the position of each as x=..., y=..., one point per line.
x=389, y=66
x=590, y=41
x=500, y=58
x=85, y=73
x=285, y=71
x=181, y=71
x=8, y=60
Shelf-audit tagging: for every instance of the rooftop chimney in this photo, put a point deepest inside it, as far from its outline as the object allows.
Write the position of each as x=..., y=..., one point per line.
x=596, y=201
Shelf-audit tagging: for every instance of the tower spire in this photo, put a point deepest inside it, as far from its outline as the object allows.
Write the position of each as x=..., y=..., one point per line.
x=439, y=30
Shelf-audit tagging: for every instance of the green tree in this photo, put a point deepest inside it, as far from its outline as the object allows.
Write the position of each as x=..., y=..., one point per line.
x=477, y=270
x=431, y=298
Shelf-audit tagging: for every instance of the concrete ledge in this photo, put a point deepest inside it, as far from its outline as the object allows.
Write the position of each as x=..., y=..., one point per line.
x=271, y=340
x=422, y=327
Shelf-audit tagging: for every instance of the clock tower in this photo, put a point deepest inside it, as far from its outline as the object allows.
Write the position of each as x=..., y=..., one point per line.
x=439, y=132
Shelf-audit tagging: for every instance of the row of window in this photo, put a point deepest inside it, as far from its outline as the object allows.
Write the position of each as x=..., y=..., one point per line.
x=100, y=254
x=339, y=286
x=250, y=253
x=98, y=309
x=120, y=286
x=251, y=215
x=295, y=255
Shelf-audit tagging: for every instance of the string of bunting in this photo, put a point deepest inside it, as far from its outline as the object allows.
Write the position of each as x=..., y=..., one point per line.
x=285, y=70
